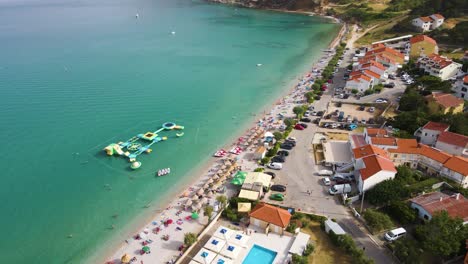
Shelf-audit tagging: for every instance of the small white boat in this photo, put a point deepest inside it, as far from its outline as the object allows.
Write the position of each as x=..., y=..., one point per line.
x=163, y=172
x=137, y=15
x=259, y=64
x=173, y=32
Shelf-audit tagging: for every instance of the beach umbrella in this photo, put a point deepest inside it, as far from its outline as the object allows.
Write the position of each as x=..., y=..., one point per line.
x=195, y=215
x=126, y=258
x=142, y=235
x=196, y=206
x=219, y=172
x=223, y=167
x=146, y=249
x=215, y=177
x=188, y=203
x=227, y=163
x=146, y=230
x=206, y=186
x=169, y=221
x=194, y=197
x=200, y=191
x=204, y=200
x=210, y=194
x=209, y=180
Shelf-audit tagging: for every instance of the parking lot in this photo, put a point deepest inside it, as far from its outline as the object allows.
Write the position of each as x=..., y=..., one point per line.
x=351, y=110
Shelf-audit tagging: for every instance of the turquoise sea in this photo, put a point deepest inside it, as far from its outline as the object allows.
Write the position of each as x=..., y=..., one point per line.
x=76, y=75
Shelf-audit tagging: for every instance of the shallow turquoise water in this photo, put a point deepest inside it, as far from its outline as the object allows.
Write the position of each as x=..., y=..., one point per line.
x=78, y=75
x=260, y=255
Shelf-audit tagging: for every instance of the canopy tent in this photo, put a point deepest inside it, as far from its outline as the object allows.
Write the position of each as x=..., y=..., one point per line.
x=188, y=203
x=195, y=215
x=200, y=191
x=231, y=251
x=222, y=260
x=142, y=235
x=146, y=249
x=237, y=181
x=204, y=256
x=215, y=244
x=125, y=258
x=268, y=134
x=264, y=178
x=248, y=194
x=240, y=174
x=239, y=239
x=223, y=232
x=244, y=207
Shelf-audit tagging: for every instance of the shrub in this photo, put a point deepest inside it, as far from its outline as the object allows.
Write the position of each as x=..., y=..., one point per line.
x=354, y=91
x=386, y=192
x=308, y=250
x=377, y=221
x=190, y=239
x=296, y=259
x=265, y=160
x=402, y=212
x=259, y=170
x=291, y=228
x=407, y=251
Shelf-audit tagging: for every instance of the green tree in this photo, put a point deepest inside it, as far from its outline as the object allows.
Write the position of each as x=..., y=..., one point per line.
x=410, y=121
x=402, y=212
x=442, y=235
x=190, y=239
x=259, y=169
x=377, y=221
x=407, y=251
x=297, y=259
x=208, y=211
x=411, y=101
x=387, y=191
x=308, y=250
x=278, y=135
x=289, y=122
x=406, y=175
x=222, y=200
x=354, y=91
x=299, y=110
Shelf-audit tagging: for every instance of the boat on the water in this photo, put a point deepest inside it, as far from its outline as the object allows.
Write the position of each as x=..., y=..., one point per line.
x=163, y=172
x=135, y=165
x=179, y=134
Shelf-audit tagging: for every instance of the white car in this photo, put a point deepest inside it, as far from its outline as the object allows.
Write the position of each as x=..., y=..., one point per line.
x=275, y=166
x=372, y=109
x=314, y=113
x=380, y=101
x=326, y=181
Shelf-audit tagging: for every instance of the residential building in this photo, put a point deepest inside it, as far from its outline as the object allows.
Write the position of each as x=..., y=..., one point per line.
x=422, y=24
x=373, y=66
x=429, y=133
x=453, y=143
x=430, y=160
x=428, y=23
x=270, y=218
x=391, y=53
x=426, y=205
x=373, y=170
x=386, y=61
x=439, y=66
x=373, y=75
x=422, y=45
x=445, y=103
x=359, y=82
x=379, y=137
x=461, y=88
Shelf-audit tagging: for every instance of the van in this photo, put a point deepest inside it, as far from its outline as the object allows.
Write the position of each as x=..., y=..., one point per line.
x=339, y=189
x=340, y=116
x=325, y=173
x=395, y=234
x=275, y=166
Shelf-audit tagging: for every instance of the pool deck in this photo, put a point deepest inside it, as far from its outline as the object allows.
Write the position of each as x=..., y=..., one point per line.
x=272, y=241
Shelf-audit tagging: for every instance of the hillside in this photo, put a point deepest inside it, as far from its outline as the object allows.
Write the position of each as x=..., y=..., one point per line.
x=291, y=5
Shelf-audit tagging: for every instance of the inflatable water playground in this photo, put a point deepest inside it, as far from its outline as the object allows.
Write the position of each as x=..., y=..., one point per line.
x=141, y=143
x=163, y=172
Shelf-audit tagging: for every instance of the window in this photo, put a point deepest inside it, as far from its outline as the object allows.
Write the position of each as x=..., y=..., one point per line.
x=425, y=134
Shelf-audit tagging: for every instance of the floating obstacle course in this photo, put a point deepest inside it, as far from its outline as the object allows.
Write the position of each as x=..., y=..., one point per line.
x=141, y=143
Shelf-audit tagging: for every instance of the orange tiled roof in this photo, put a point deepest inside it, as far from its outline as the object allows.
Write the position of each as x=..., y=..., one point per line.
x=388, y=141
x=433, y=153
x=407, y=146
x=439, y=16
x=445, y=99
x=455, y=205
x=358, y=140
x=384, y=50
x=373, y=132
x=368, y=150
x=378, y=45
x=271, y=214
x=424, y=38
x=458, y=164
x=453, y=139
x=426, y=19
x=371, y=73
x=375, y=164
x=440, y=60
x=436, y=126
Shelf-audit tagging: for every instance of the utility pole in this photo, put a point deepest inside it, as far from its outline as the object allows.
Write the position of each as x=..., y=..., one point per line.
x=362, y=201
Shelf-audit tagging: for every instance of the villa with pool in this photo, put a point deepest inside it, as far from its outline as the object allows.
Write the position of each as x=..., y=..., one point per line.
x=264, y=241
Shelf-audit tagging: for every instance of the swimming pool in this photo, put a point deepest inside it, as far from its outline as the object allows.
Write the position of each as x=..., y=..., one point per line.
x=259, y=255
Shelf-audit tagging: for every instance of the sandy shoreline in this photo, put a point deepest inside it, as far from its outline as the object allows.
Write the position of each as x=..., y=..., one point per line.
x=114, y=251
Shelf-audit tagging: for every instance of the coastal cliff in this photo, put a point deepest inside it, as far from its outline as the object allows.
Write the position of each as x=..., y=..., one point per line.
x=291, y=5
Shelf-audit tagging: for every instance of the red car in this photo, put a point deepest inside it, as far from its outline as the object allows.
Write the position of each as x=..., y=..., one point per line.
x=298, y=127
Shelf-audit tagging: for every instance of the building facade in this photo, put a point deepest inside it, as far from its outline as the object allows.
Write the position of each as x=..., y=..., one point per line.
x=439, y=66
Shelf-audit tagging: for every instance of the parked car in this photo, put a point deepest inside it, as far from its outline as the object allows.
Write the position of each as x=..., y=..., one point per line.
x=316, y=121
x=290, y=142
x=291, y=139
x=320, y=113
x=325, y=172
x=278, y=188
x=363, y=121
x=303, y=125
x=381, y=101
x=275, y=166
x=342, y=181
x=298, y=127
x=371, y=121
x=346, y=96
x=327, y=116
x=279, y=159
x=277, y=197
x=389, y=85
x=307, y=113
x=272, y=174
x=339, y=104
x=305, y=119
x=326, y=181
x=362, y=108
x=286, y=146
x=283, y=153
x=339, y=189
x=314, y=113
x=372, y=109
x=395, y=234
x=351, y=127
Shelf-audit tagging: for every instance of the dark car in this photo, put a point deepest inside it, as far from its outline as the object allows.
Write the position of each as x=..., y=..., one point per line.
x=346, y=96
x=389, y=85
x=278, y=188
x=298, y=127
x=272, y=174
x=303, y=125
x=342, y=181
x=371, y=121
x=362, y=108
x=327, y=116
x=283, y=153
x=305, y=119
x=286, y=146
x=316, y=121
x=279, y=159
x=339, y=104
x=290, y=142
x=320, y=113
